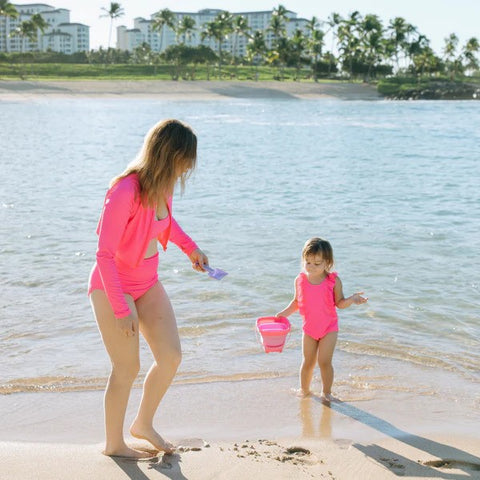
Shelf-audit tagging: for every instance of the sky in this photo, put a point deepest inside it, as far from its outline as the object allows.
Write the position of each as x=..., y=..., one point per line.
x=434, y=18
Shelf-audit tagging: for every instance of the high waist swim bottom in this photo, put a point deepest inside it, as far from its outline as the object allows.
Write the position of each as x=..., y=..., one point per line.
x=134, y=281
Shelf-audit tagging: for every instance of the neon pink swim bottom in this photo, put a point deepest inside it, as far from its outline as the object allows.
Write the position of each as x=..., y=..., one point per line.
x=318, y=333
x=134, y=281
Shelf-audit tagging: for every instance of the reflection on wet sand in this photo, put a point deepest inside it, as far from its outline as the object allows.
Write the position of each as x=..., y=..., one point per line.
x=310, y=407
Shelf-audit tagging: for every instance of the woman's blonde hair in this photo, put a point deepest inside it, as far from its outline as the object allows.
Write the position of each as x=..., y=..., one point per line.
x=169, y=153
x=318, y=246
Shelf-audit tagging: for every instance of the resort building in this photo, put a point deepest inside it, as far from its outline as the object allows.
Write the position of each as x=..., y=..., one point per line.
x=59, y=36
x=142, y=32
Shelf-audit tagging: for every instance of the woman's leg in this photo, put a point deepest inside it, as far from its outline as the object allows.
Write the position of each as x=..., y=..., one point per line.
x=309, y=348
x=124, y=356
x=159, y=327
x=326, y=347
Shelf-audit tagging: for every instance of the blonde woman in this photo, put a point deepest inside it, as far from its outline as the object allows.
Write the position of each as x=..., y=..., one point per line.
x=125, y=293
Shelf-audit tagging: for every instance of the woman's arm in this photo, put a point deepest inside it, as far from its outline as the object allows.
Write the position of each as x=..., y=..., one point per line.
x=341, y=301
x=114, y=218
x=188, y=246
x=181, y=239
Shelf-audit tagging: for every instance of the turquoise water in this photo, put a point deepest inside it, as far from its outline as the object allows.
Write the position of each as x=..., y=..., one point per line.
x=394, y=186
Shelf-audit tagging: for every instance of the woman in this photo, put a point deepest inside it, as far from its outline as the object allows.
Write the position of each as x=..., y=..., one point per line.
x=125, y=293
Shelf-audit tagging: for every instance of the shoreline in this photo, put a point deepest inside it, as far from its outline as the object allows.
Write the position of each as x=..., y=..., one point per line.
x=13, y=90
x=238, y=430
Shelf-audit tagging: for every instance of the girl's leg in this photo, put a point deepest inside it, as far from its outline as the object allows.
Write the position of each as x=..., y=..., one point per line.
x=310, y=347
x=326, y=347
x=159, y=327
x=124, y=356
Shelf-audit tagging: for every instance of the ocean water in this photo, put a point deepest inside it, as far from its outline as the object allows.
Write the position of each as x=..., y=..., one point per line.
x=394, y=186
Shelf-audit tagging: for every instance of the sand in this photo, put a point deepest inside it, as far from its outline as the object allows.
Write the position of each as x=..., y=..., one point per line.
x=256, y=429
x=262, y=459
x=182, y=90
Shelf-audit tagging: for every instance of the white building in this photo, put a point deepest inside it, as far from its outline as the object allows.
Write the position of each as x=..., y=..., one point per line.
x=129, y=39
x=59, y=36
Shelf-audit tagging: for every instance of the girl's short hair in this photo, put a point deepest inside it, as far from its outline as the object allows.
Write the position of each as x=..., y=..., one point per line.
x=169, y=147
x=318, y=246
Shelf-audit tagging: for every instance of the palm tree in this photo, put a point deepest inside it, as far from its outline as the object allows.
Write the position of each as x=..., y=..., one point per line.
x=400, y=35
x=315, y=43
x=39, y=22
x=240, y=27
x=163, y=18
x=450, y=51
x=333, y=21
x=371, y=30
x=7, y=10
x=281, y=13
x=26, y=30
x=297, y=46
x=29, y=29
x=469, y=50
x=185, y=28
x=450, y=48
x=114, y=11
x=277, y=24
x=398, y=29
x=349, y=42
x=280, y=44
x=425, y=61
x=219, y=29
x=256, y=49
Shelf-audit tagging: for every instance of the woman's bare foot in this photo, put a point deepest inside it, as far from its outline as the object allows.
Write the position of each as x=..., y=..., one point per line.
x=126, y=452
x=150, y=435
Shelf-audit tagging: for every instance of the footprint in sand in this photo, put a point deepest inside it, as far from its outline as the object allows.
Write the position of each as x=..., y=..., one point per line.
x=298, y=455
x=451, y=463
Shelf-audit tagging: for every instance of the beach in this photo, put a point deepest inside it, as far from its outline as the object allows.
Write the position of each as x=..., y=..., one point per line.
x=239, y=430
x=406, y=363
x=183, y=90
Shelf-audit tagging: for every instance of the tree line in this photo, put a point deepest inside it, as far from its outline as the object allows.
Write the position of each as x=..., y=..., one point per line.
x=361, y=46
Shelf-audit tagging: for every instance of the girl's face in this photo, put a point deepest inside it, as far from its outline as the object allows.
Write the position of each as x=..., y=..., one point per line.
x=314, y=264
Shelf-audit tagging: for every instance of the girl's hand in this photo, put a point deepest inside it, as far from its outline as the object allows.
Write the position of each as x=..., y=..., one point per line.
x=127, y=325
x=198, y=259
x=358, y=299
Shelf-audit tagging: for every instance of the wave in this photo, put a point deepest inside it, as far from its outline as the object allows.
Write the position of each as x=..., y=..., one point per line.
x=78, y=384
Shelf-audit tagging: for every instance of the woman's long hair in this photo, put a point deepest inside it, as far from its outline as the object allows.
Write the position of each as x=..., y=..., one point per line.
x=169, y=153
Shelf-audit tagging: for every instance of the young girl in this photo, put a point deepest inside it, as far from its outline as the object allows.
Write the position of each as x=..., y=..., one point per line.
x=125, y=293
x=318, y=292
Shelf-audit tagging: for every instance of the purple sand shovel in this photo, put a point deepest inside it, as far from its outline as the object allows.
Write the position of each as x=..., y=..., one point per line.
x=216, y=273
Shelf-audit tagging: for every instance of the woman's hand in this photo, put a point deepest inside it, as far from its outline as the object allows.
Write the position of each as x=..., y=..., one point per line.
x=198, y=259
x=127, y=325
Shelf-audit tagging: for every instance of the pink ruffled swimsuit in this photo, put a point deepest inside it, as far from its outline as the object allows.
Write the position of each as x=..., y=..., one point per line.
x=316, y=304
x=125, y=230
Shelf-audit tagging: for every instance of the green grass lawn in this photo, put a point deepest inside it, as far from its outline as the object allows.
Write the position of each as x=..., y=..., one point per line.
x=65, y=71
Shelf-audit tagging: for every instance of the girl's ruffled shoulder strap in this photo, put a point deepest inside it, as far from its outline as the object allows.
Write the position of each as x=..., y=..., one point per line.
x=332, y=276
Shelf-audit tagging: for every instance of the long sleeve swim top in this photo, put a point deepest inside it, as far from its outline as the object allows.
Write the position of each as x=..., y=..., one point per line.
x=125, y=230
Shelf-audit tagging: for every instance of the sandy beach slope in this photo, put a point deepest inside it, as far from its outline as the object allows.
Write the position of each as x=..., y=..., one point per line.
x=196, y=90
x=262, y=459
x=245, y=430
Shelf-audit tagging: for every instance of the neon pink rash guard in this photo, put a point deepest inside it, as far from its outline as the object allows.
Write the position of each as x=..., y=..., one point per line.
x=125, y=230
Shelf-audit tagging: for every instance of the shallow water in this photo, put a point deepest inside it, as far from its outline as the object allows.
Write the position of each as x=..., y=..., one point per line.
x=393, y=185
